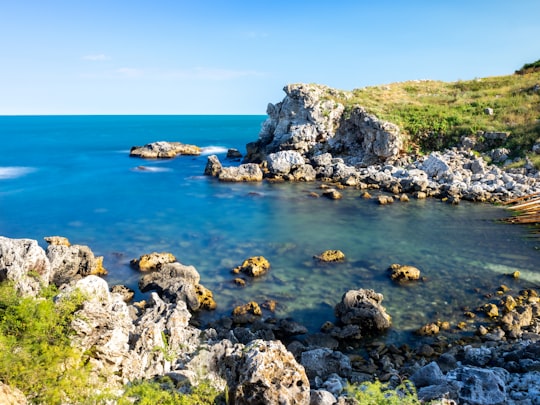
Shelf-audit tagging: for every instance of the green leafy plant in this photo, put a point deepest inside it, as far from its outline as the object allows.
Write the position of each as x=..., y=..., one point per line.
x=377, y=393
x=163, y=392
x=35, y=351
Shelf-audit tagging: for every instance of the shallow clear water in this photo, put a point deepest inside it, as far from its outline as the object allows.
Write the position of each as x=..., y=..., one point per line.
x=72, y=176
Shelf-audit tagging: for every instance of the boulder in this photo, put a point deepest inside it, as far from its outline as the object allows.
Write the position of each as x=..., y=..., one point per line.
x=244, y=173
x=233, y=154
x=401, y=273
x=213, y=166
x=71, y=263
x=11, y=395
x=282, y=162
x=178, y=282
x=269, y=374
x=255, y=266
x=479, y=386
x=324, y=362
x=332, y=194
x=57, y=240
x=331, y=256
x=304, y=172
x=164, y=150
x=246, y=313
x=363, y=308
x=152, y=261
x=24, y=262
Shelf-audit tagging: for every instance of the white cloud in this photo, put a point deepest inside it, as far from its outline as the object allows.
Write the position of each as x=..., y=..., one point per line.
x=98, y=57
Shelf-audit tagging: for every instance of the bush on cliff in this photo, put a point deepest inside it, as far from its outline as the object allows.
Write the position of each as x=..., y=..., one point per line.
x=35, y=352
x=377, y=393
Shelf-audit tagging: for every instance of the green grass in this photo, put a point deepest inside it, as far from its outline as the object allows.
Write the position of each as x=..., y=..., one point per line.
x=434, y=114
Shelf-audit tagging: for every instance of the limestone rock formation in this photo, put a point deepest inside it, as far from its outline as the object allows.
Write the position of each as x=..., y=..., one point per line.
x=178, y=282
x=310, y=122
x=269, y=374
x=72, y=262
x=11, y=395
x=164, y=150
x=152, y=261
x=24, y=262
x=255, y=266
x=213, y=166
x=244, y=173
x=363, y=308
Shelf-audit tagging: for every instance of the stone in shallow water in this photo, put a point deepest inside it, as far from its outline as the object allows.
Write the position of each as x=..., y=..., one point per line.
x=254, y=266
x=400, y=272
x=152, y=261
x=331, y=256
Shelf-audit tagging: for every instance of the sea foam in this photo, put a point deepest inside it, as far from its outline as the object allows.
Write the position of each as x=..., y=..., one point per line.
x=213, y=150
x=12, y=172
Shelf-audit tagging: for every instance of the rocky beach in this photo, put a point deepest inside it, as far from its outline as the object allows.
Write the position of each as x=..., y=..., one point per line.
x=258, y=358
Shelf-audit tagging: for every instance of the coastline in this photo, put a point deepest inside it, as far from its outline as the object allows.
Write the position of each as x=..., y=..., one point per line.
x=435, y=176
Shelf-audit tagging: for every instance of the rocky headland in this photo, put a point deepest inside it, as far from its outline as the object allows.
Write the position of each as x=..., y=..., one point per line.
x=309, y=136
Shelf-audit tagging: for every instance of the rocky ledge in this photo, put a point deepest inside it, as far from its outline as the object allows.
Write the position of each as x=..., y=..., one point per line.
x=308, y=136
x=164, y=150
x=260, y=360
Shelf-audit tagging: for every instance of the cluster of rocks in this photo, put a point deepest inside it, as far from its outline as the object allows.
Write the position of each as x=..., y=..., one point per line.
x=308, y=137
x=261, y=360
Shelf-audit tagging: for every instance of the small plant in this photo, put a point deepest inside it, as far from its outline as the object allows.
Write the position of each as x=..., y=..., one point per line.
x=377, y=393
x=163, y=392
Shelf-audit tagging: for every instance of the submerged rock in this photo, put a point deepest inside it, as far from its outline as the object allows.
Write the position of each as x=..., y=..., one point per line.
x=331, y=256
x=402, y=273
x=164, y=150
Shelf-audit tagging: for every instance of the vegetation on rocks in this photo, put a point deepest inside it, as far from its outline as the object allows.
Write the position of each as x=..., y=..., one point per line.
x=435, y=114
x=35, y=352
x=378, y=393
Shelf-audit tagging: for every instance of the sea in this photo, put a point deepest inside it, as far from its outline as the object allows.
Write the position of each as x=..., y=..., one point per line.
x=72, y=176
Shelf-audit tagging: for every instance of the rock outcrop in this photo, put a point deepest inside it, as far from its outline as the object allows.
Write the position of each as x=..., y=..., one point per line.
x=361, y=311
x=246, y=172
x=309, y=135
x=164, y=150
x=24, y=262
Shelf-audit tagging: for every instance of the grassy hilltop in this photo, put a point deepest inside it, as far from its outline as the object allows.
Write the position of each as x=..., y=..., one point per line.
x=437, y=114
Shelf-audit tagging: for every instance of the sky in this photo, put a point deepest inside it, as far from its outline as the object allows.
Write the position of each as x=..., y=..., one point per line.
x=235, y=57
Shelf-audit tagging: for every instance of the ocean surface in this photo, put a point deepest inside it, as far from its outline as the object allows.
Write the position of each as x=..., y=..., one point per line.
x=72, y=176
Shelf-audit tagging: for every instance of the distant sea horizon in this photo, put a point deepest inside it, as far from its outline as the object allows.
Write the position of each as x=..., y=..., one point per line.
x=71, y=175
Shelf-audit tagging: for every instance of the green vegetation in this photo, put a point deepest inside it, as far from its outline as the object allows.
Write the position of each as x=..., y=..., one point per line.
x=36, y=357
x=377, y=393
x=436, y=114
x=35, y=352
x=163, y=392
x=529, y=68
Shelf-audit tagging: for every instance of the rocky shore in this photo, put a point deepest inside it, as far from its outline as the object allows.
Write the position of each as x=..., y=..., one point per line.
x=269, y=360
x=308, y=137
x=258, y=358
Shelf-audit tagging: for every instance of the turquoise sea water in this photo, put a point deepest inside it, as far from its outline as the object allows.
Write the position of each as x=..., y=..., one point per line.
x=72, y=176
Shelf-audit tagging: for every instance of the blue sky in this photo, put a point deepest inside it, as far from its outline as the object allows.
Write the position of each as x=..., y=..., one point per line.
x=233, y=57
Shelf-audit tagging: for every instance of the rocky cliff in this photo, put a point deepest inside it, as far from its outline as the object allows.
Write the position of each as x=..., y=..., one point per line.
x=311, y=122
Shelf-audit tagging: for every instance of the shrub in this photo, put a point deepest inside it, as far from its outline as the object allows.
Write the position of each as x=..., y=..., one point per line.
x=35, y=351
x=377, y=393
x=163, y=392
